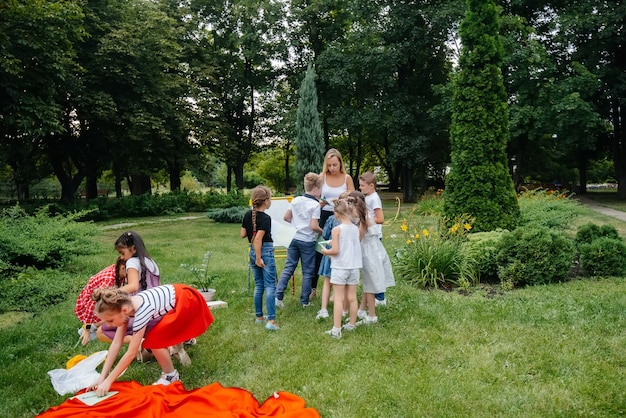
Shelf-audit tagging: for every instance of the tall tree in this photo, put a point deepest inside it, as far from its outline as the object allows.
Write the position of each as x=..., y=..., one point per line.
x=479, y=183
x=37, y=41
x=309, y=138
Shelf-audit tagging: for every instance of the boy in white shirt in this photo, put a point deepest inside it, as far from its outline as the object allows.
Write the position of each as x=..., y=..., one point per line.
x=304, y=215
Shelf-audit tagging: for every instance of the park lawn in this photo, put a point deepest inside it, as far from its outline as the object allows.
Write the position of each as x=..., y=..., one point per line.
x=545, y=351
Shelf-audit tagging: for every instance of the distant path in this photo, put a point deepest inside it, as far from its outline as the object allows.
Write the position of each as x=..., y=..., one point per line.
x=129, y=224
x=591, y=204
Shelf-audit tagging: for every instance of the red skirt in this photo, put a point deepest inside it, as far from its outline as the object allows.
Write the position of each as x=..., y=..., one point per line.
x=190, y=317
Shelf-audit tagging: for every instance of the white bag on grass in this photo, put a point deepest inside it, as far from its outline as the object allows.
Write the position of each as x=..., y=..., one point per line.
x=79, y=377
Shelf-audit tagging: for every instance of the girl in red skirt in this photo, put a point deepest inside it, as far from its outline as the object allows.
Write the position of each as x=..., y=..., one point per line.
x=163, y=316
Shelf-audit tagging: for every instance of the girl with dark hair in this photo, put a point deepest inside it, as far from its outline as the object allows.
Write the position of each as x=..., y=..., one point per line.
x=142, y=273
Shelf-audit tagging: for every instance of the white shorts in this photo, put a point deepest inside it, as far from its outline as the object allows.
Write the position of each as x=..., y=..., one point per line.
x=344, y=276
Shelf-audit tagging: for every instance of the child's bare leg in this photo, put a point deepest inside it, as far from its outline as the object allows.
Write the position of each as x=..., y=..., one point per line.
x=162, y=356
x=326, y=292
x=353, y=303
x=370, y=301
x=338, y=306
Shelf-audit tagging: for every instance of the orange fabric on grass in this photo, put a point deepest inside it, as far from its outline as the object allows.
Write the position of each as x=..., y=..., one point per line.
x=190, y=318
x=214, y=400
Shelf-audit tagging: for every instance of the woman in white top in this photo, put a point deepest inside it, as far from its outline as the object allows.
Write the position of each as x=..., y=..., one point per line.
x=336, y=181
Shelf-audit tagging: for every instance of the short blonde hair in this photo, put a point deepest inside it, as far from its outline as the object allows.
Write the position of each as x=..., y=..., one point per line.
x=311, y=181
x=330, y=154
x=368, y=178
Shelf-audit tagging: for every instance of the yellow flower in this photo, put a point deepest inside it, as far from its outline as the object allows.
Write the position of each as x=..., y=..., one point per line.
x=467, y=227
x=408, y=241
x=454, y=228
x=417, y=236
x=404, y=227
x=425, y=232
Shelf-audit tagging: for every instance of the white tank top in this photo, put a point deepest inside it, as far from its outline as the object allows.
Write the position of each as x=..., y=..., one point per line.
x=331, y=193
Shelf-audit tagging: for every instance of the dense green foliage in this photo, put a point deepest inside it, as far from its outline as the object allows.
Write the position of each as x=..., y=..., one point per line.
x=602, y=252
x=104, y=208
x=533, y=255
x=309, y=142
x=41, y=241
x=479, y=182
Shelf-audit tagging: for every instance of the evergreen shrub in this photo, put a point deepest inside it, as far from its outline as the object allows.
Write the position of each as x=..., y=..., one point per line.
x=483, y=247
x=588, y=233
x=549, y=209
x=601, y=251
x=604, y=256
x=40, y=240
x=232, y=215
x=534, y=255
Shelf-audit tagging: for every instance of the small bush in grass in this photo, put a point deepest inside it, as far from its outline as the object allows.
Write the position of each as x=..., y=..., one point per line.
x=534, y=255
x=229, y=215
x=482, y=247
x=433, y=258
x=35, y=290
x=549, y=209
x=601, y=251
x=588, y=233
x=42, y=241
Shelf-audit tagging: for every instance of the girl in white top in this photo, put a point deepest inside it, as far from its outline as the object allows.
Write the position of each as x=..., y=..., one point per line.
x=345, y=251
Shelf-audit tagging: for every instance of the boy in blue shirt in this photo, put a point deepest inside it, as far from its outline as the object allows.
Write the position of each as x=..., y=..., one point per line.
x=304, y=215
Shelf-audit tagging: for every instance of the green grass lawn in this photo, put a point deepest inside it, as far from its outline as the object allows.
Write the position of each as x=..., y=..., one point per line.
x=546, y=351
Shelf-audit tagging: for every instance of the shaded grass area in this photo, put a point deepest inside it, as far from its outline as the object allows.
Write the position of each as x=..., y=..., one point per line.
x=545, y=351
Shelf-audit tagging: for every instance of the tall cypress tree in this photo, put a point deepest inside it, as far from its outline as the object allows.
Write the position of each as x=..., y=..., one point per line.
x=309, y=142
x=479, y=182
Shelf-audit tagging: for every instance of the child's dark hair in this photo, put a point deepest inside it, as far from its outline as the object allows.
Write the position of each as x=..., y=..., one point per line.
x=127, y=240
x=259, y=195
x=119, y=263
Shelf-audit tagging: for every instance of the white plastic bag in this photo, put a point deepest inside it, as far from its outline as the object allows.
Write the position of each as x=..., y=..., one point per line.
x=79, y=377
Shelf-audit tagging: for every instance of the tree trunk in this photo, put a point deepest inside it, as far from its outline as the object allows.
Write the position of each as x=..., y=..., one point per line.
x=287, y=168
x=174, y=172
x=91, y=187
x=407, y=186
x=140, y=185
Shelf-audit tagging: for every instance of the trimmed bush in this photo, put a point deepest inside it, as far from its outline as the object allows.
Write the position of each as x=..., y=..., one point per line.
x=605, y=256
x=483, y=248
x=534, y=255
x=588, y=233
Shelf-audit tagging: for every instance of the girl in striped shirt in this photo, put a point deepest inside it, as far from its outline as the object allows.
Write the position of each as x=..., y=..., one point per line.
x=163, y=316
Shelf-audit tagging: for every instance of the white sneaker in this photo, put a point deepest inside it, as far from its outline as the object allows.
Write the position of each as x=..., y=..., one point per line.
x=322, y=313
x=368, y=320
x=166, y=378
x=334, y=333
x=381, y=302
x=349, y=327
x=361, y=314
x=279, y=303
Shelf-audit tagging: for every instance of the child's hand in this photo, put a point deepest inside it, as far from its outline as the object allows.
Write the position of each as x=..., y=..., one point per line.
x=259, y=263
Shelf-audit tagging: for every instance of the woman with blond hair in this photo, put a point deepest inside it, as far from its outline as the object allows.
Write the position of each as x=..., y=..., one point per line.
x=335, y=181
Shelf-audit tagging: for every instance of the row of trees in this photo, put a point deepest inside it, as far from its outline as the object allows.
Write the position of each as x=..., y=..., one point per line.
x=138, y=86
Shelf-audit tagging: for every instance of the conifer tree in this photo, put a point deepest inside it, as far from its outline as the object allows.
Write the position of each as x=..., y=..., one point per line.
x=479, y=183
x=309, y=142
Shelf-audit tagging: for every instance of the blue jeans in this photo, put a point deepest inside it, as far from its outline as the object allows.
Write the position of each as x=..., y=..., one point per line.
x=264, y=281
x=298, y=250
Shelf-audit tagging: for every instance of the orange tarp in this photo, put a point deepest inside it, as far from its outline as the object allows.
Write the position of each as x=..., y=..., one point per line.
x=158, y=401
